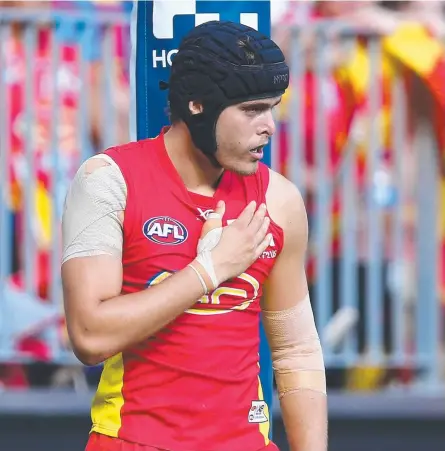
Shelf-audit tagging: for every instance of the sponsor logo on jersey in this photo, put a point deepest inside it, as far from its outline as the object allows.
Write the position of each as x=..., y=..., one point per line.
x=257, y=413
x=204, y=214
x=165, y=230
x=268, y=254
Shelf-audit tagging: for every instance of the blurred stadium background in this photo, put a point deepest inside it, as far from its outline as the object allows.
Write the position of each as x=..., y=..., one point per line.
x=361, y=131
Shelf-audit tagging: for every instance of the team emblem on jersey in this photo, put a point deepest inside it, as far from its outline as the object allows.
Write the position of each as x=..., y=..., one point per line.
x=165, y=230
x=257, y=412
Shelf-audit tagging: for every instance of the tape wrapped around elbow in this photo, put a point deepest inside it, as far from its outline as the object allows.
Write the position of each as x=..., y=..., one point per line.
x=297, y=356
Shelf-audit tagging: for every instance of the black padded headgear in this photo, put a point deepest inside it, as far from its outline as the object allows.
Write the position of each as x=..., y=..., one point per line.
x=218, y=64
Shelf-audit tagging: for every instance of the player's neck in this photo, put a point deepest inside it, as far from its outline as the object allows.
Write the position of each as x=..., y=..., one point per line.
x=197, y=172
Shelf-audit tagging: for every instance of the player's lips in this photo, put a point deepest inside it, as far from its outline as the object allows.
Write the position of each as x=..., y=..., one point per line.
x=257, y=152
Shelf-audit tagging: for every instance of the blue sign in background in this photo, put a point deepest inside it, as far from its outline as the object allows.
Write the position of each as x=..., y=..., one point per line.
x=160, y=26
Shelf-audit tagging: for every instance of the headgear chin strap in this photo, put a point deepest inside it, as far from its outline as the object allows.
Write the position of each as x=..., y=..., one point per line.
x=218, y=64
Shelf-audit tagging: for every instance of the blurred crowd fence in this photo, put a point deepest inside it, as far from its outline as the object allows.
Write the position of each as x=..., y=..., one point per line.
x=356, y=131
x=360, y=133
x=64, y=90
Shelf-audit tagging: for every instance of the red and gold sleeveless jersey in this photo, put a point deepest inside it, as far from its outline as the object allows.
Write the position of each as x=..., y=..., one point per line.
x=194, y=385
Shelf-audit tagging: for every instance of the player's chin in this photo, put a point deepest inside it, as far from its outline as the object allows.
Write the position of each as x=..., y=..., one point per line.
x=246, y=168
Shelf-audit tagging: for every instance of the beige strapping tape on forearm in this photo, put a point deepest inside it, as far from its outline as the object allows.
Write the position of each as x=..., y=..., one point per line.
x=297, y=357
x=295, y=381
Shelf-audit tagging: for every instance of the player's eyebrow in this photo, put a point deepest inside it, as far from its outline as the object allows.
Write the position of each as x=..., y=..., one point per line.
x=260, y=104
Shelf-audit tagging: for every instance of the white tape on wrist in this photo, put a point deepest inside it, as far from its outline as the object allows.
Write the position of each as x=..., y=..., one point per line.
x=205, y=259
x=205, y=246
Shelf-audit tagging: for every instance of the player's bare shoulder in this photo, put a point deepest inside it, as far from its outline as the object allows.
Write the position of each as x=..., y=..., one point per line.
x=286, y=206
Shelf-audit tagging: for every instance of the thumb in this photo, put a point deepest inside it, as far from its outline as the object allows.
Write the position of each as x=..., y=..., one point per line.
x=214, y=219
x=220, y=209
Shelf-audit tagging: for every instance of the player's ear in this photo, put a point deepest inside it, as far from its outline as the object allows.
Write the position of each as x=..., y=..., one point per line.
x=195, y=107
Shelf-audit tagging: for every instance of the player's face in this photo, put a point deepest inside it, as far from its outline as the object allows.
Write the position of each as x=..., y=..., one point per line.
x=242, y=131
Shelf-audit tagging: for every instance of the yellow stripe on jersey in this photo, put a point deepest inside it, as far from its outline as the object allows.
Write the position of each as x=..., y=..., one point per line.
x=226, y=291
x=249, y=279
x=264, y=427
x=108, y=401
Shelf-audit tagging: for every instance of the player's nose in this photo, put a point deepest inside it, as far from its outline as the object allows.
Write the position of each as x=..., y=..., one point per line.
x=268, y=125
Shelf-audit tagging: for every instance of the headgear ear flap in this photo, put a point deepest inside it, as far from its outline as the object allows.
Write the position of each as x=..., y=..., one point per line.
x=220, y=63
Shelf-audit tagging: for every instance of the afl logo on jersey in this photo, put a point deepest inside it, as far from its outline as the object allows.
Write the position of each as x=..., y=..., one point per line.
x=165, y=230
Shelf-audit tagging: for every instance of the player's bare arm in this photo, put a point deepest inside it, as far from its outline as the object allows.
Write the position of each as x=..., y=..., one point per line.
x=290, y=327
x=102, y=322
